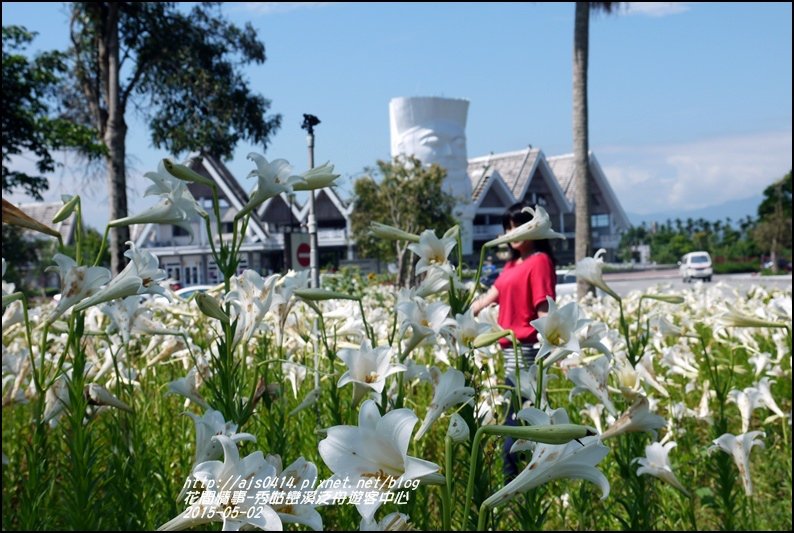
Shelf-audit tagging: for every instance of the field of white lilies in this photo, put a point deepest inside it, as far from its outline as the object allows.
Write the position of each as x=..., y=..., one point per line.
x=268, y=404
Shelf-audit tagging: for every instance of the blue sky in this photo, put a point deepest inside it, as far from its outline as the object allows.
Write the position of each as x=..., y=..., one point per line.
x=690, y=103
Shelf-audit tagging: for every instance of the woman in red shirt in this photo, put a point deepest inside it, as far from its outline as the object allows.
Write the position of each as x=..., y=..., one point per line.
x=520, y=290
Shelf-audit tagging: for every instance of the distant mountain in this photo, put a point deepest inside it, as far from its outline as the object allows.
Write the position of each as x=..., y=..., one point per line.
x=735, y=209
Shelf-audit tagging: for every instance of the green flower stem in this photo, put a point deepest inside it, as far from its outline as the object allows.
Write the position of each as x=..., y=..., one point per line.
x=448, y=452
x=103, y=245
x=482, y=516
x=459, y=240
x=556, y=434
x=475, y=448
x=78, y=233
x=518, y=354
x=539, y=392
x=212, y=241
x=474, y=287
x=445, y=508
x=367, y=328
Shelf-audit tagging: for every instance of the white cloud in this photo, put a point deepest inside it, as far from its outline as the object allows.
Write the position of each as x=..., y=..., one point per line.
x=650, y=179
x=656, y=9
x=269, y=8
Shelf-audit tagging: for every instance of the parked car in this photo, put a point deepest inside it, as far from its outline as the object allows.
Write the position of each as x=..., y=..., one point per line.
x=695, y=265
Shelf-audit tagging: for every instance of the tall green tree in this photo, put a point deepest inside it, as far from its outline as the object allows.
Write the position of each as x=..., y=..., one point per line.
x=773, y=232
x=581, y=142
x=31, y=123
x=407, y=196
x=182, y=67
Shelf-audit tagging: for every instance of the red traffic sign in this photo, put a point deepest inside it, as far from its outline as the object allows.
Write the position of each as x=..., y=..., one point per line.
x=303, y=254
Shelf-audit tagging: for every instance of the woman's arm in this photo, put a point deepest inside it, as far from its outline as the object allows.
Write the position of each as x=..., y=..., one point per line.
x=485, y=300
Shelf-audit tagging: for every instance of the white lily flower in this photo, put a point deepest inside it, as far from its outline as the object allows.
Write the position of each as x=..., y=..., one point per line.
x=433, y=251
x=557, y=331
x=176, y=206
x=309, y=400
x=390, y=233
x=375, y=453
x=140, y=276
x=637, y=418
x=527, y=380
x=589, y=269
x=244, y=478
x=368, y=369
x=739, y=447
x=251, y=298
x=760, y=362
x=14, y=314
x=594, y=412
x=666, y=328
x=538, y=228
x=450, y=389
x=765, y=391
x=55, y=401
x=647, y=374
x=436, y=280
x=425, y=320
x=210, y=424
x=468, y=329
x=574, y=460
x=458, y=429
x=316, y=178
x=733, y=318
x=122, y=314
x=297, y=477
x=747, y=400
x=703, y=412
x=391, y=522
x=99, y=395
x=188, y=387
x=657, y=463
x=295, y=374
x=416, y=371
x=590, y=334
x=273, y=178
x=592, y=378
x=77, y=283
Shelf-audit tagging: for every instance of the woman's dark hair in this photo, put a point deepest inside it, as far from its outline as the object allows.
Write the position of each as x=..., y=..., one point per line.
x=515, y=216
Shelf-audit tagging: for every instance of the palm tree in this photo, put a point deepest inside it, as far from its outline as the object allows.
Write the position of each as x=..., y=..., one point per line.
x=581, y=155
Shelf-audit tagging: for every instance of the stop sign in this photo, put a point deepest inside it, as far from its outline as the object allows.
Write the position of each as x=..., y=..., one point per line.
x=303, y=254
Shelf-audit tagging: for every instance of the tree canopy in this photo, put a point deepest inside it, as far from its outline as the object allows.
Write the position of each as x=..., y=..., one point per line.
x=30, y=121
x=408, y=196
x=182, y=69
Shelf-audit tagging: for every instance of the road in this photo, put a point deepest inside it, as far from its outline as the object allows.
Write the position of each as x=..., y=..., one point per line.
x=625, y=282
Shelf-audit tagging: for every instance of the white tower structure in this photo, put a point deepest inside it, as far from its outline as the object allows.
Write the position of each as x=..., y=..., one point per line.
x=433, y=130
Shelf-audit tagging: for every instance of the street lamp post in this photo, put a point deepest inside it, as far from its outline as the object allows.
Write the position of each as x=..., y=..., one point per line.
x=309, y=122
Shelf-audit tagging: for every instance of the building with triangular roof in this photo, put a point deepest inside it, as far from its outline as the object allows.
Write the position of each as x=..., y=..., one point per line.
x=500, y=180
x=188, y=260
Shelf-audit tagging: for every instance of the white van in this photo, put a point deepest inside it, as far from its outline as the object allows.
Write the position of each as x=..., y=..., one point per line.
x=695, y=265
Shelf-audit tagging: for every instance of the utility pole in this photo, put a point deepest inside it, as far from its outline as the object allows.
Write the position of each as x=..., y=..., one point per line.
x=309, y=122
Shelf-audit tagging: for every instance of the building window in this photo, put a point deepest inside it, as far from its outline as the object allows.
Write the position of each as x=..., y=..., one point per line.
x=179, y=231
x=599, y=221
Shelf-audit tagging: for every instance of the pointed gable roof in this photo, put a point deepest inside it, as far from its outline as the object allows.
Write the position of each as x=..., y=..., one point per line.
x=277, y=210
x=516, y=172
x=328, y=206
x=44, y=212
x=563, y=169
x=228, y=188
